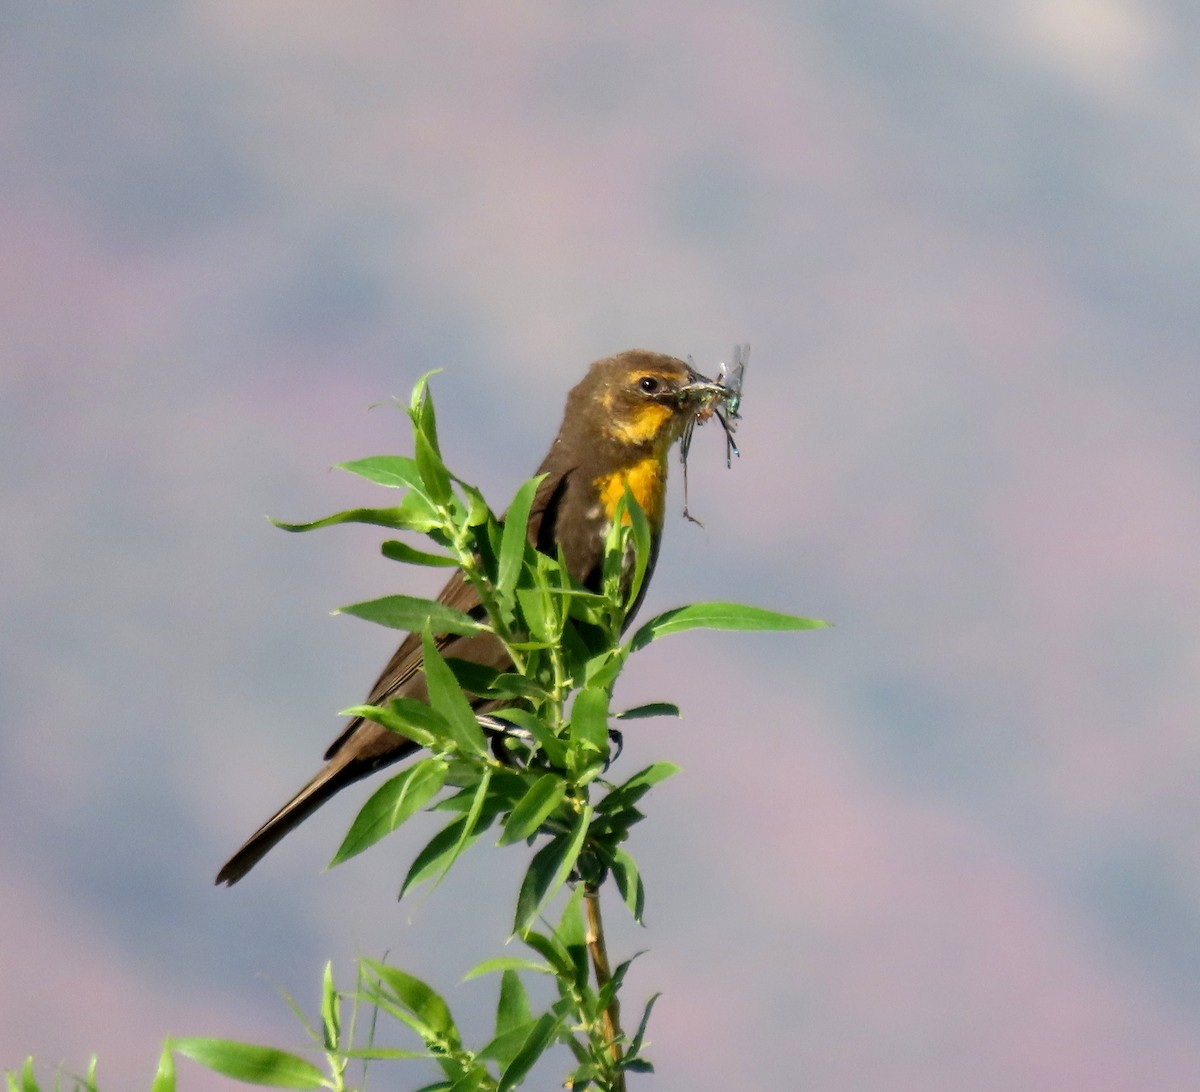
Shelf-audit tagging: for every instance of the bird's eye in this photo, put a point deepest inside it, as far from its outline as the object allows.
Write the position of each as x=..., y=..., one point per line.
x=649, y=385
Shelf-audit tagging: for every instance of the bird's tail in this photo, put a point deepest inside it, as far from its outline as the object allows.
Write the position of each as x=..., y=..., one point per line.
x=329, y=780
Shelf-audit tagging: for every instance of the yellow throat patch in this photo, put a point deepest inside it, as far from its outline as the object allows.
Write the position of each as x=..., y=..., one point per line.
x=642, y=426
x=647, y=481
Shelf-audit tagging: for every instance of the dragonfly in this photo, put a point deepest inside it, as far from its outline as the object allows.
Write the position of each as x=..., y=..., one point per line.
x=720, y=398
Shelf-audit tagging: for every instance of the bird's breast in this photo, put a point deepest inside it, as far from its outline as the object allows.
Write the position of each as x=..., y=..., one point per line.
x=646, y=480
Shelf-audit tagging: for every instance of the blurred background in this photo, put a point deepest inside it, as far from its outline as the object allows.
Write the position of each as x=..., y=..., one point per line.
x=953, y=842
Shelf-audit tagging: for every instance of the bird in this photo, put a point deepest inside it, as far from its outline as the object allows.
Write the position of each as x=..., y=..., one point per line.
x=619, y=425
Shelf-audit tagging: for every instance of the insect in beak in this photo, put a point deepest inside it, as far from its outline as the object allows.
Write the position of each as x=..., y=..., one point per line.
x=720, y=398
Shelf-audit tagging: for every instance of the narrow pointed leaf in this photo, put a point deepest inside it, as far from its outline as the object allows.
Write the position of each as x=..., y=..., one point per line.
x=434, y=475
x=544, y=795
x=451, y=842
x=395, y=471
x=548, y=871
x=639, y=1036
x=542, y=1035
x=420, y=407
x=631, y=791
x=396, y=801
x=447, y=698
x=507, y=965
x=629, y=883
x=472, y=821
x=406, y=717
x=478, y=512
x=589, y=733
x=384, y=1054
x=651, y=709
x=395, y=550
x=550, y=950
x=639, y=542
x=331, y=1017
x=515, y=536
x=425, y=1003
x=539, y=613
x=433, y=856
x=414, y=513
x=537, y=882
x=573, y=937
x=727, y=616
x=505, y=1045
x=164, y=1075
x=410, y=613
x=252, y=1064
x=512, y=1014
x=589, y=719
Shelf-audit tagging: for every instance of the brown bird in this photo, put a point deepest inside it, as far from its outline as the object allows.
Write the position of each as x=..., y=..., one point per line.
x=618, y=428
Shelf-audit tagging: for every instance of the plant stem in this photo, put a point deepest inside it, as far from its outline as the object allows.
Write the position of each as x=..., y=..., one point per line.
x=611, y=1017
x=468, y=560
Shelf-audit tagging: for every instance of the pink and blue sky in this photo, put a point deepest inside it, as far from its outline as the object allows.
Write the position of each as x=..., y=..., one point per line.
x=953, y=842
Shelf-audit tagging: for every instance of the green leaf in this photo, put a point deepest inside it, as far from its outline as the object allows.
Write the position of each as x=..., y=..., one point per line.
x=513, y=1008
x=384, y=1054
x=629, y=882
x=728, y=616
x=589, y=719
x=472, y=820
x=433, y=856
x=478, y=512
x=331, y=1018
x=641, y=544
x=395, y=471
x=508, y=684
x=536, y=883
x=473, y=1079
x=445, y=847
x=425, y=1004
x=434, y=475
x=551, y=951
x=420, y=406
x=406, y=717
x=410, y=613
x=396, y=801
x=251, y=1064
x=632, y=790
x=395, y=550
x=542, y=1035
x=651, y=709
x=602, y=669
x=505, y=789
x=544, y=795
x=589, y=732
x=573, y=937
x=515, y=536
x=28, y=1080
x=505, y=1045
x=473, y=677
x=447, y=698
x=508, y=964
x=548, y=871
x=541, y=617
x=164, y=1075
x=413, y=513
x=635, y=1044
